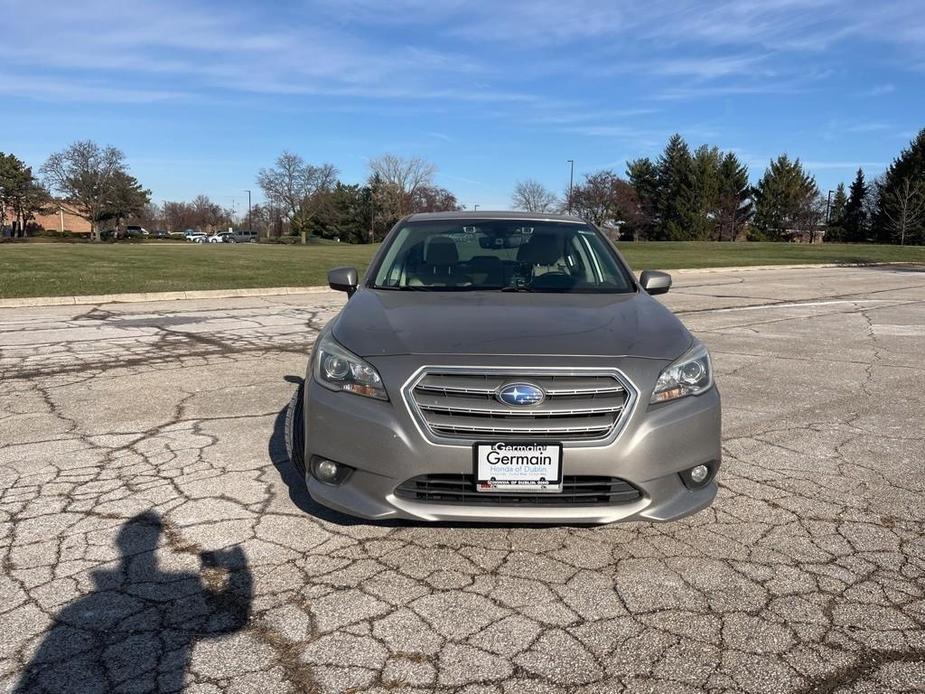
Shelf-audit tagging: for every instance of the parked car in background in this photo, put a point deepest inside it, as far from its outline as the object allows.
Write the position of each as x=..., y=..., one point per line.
x=135, y=231
x=243, y=236
x=195, y=236
x=160, y=234
x=506, y=367
x=220, y=237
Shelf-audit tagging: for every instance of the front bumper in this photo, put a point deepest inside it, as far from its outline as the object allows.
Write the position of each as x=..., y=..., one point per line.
x=383, y=444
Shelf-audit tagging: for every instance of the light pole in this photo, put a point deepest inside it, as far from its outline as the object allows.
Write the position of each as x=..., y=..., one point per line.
x=571, y=182
x=249, y=227
x=828, y=216
x=475, y=208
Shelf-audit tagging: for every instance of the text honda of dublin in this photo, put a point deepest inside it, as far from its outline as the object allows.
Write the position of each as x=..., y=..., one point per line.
x=506, y=367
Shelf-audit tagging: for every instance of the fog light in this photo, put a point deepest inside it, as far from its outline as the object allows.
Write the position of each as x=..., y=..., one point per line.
x=698, y=474
x=329, y=472
x=326, y=471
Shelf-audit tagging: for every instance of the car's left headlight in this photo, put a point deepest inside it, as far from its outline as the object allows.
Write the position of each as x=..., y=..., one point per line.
x=338, y=368
x=689, y=374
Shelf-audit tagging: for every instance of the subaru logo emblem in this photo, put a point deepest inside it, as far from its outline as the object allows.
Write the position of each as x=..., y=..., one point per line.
x=521, y=394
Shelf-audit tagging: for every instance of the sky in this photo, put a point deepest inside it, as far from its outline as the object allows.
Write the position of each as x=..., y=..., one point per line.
x=200, y=94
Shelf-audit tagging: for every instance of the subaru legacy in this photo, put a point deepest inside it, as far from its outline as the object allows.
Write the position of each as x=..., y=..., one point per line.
x=505, y=368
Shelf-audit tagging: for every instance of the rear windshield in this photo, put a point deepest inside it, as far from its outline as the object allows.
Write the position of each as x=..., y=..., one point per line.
x=501, y=255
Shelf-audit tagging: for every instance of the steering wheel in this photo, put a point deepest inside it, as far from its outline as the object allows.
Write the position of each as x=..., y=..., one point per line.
x=557, y=279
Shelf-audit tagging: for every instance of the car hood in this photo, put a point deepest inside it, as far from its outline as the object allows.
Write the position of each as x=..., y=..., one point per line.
x=382, y=323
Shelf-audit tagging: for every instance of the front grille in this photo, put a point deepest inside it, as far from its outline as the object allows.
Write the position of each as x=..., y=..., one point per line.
x=577, y=490
x=457, y=404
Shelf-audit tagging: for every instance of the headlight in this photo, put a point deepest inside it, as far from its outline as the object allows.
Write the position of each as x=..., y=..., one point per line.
x=690, y=374
x=339, y=369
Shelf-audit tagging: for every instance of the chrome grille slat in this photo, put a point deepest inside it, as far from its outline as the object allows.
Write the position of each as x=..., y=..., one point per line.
x=442, y=403
x=514, y=427
x=459, y=404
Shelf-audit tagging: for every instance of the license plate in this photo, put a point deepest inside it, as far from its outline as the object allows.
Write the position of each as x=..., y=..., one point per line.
x=518, y=467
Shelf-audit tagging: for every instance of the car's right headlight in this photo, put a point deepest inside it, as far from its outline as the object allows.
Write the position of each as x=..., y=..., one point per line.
x=689, y=374
x=338, y=368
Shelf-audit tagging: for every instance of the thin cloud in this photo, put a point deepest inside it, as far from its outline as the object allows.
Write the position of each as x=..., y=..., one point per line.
x=870, y=127
x=54, y=91
x=879, y=90
x=706, y=92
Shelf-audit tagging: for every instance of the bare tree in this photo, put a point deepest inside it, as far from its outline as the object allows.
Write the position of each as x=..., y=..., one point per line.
x=532, y=196
x=297, y=188
x=434, y=199
x=405, y=176
x=604, y=199
x=86, y=175
x=202, y=214
x=904, y=207
x=808, y=215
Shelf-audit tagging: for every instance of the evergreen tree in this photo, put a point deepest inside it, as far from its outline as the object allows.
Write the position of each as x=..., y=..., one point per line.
x=21, y=195
x=902, y=187
x=835, y=230
x=350, y=213
x=705, y=183
x=734, y=205
x=854, y=220
x=127, y=198
x=643, y=176
x=786, y=199
x=675, y=204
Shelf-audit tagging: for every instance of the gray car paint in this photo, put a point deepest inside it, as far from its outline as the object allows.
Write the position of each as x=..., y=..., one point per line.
x=384, y=322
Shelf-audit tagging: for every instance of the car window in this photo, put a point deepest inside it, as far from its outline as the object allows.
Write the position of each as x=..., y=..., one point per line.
x=505, y=255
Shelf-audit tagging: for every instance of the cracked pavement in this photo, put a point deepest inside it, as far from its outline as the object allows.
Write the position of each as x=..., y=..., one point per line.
x=155, y=537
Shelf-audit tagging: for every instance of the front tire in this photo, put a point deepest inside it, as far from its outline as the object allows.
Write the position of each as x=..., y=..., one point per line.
x=295, y=429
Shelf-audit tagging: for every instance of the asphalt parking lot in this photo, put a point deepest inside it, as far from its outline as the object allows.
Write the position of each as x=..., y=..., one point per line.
x=154, y=535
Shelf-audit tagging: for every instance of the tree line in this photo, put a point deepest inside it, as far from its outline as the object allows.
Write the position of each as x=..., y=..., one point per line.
x=683, y=194
x=92, y=181
x=304, y=198
x=705, y=195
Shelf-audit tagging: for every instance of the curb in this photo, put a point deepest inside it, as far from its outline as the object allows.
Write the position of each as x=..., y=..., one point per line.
x=804, y=266
x=29, y=301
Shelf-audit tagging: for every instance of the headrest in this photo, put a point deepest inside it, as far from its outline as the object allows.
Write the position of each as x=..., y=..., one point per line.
x=541, y=249
x=441, y=251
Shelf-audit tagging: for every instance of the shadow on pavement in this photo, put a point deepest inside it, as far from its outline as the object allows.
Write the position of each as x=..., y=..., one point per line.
x=136, y=629
x=898, y=268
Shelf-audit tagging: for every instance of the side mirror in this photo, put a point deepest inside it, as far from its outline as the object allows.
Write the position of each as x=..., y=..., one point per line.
x=655, y=282
x=343, y=279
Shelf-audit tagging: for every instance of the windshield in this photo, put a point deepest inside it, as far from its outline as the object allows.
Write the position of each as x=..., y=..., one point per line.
x=503, y=255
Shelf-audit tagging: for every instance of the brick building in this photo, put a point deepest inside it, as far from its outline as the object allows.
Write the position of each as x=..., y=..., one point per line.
x=61, y=218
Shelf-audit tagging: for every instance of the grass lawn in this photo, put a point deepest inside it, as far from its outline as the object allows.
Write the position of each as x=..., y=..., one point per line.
x=58, y=269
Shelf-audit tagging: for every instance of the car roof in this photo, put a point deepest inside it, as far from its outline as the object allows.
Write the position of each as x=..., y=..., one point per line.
x=492, y=214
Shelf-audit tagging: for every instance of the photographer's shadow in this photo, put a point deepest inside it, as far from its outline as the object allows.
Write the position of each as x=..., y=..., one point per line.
x=136, y=630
